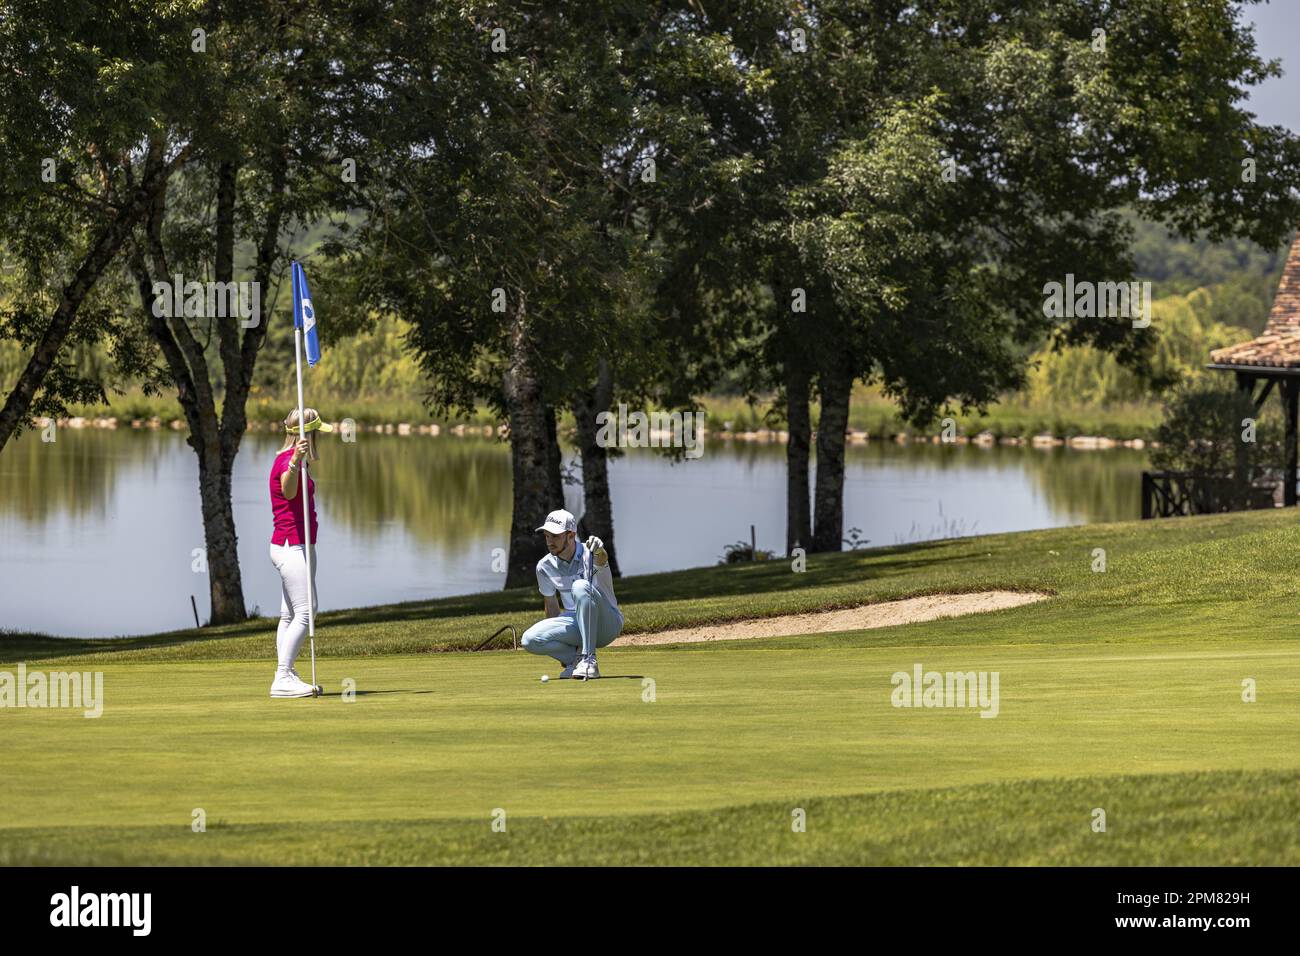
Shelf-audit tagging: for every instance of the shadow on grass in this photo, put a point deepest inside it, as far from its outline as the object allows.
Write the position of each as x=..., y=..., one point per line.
x=602, y=677
x=717, y=581
x=16, y=647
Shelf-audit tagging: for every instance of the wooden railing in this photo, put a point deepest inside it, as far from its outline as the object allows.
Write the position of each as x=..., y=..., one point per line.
x=1167, y=494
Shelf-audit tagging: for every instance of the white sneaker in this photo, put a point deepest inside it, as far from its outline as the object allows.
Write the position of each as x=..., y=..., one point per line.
x=316, y=689
x=585, y=668
x=291, y=685
x=567, y=672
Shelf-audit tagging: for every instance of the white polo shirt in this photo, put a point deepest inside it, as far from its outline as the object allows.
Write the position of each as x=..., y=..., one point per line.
x=555, y=576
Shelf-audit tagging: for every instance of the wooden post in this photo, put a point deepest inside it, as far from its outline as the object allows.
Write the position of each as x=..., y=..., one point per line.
x=1238, y=490
x=1290, y=396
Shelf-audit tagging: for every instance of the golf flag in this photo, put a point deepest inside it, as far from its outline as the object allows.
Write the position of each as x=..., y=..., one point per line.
x=304, y=329
x=304, y=316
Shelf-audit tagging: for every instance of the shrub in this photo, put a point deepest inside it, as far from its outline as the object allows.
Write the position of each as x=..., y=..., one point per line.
x=1206, y=431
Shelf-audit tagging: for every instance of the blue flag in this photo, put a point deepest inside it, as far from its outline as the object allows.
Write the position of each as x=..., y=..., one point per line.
x=304, y=316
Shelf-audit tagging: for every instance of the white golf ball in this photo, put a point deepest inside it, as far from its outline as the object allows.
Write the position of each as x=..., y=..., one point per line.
x=545, y=678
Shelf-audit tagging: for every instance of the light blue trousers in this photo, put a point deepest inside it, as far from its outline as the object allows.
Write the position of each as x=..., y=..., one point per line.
x=592, y=623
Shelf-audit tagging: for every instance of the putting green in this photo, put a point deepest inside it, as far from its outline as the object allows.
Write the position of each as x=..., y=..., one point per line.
x=459, y=736
x=1123, y=692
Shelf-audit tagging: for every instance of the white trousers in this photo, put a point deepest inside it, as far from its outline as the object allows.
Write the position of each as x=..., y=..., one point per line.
x=291, y=561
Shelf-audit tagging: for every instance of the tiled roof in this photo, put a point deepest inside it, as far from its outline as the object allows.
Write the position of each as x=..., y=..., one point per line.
x=1278, y=345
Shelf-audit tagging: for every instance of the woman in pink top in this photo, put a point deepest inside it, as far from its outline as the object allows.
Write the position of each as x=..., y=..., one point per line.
x=288, y=547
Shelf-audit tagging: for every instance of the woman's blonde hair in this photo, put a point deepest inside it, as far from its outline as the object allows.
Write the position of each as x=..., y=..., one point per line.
x=291, y=429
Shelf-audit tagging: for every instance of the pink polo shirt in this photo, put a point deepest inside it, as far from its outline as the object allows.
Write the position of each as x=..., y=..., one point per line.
x=287, y=512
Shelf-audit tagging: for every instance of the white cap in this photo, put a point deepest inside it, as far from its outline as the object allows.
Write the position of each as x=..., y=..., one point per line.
x=559, y=521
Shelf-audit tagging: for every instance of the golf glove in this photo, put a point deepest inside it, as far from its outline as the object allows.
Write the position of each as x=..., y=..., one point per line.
x=594, y=545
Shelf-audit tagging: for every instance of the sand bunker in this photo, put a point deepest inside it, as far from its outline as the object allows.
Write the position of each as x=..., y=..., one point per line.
x=867, y=616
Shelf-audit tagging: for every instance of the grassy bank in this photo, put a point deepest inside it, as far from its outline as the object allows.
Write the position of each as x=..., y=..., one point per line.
x=1056, y=560
x=871, y=412
x=262, y=408
x=1014, y=417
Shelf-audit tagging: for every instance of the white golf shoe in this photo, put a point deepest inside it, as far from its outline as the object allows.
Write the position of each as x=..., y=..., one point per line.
x=291, y=685
x=317, y=688
x=585, y=668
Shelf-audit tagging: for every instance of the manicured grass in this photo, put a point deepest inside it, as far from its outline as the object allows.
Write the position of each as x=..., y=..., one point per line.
x=451, y=738
x=1230, y=818
x=1122, y=692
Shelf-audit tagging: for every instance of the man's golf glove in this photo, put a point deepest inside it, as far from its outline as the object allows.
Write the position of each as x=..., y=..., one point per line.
x=595, y=545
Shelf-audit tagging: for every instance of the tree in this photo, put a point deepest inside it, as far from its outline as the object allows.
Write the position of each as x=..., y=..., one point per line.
x=80, y=91
x=1213, y=432
x=922, y=170
x=265, y=132
x=509, y=217
x=474, y=234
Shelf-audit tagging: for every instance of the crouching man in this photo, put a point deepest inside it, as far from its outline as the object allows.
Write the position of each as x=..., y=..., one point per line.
x=578, y=592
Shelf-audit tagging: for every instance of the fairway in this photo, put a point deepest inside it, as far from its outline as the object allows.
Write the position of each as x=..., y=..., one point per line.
x=444, y=741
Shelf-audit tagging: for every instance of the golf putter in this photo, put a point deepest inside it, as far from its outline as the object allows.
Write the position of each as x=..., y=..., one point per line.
x=514, y=638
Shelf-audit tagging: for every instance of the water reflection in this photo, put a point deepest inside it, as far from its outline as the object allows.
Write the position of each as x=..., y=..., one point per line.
x=98, y=530
x=442, y=490
x=73, y=476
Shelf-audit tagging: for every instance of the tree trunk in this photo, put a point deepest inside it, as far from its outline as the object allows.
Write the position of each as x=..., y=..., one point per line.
x=554, y=462
x=239, y=369
x=1291, y=403
x=798, y=520
x=598, y=508
x=225, y=585
x=214, y=445
x=1241, y=465
x=531, y=461
x=832, y=428
x=238, y=358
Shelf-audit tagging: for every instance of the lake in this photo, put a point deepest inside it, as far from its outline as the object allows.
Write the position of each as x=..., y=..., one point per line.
x=98, y=530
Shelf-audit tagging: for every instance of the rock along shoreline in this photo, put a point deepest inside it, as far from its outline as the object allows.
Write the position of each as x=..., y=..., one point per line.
x=762, y=435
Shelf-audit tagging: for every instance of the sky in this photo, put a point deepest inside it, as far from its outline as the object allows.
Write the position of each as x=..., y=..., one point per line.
x=1277, y=30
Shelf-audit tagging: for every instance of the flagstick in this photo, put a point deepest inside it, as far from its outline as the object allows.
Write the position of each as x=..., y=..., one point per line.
x=306, y=511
